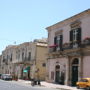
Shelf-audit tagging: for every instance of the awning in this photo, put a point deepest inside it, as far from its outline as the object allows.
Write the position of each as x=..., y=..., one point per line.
x=26, y=69
x=51, y=46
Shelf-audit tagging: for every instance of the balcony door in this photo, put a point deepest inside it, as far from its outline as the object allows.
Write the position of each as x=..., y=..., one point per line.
x=75, y=37
x=58, y=40
x=75, y=33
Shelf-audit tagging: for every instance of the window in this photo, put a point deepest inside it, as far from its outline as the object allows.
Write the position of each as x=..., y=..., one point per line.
x=58, y=40
x=44, y=64
x=18, y=54
x=7, y=57
x=3, y=59
x=22, y=55
x=75, y=33
x=75, y=37
x=11, y=58
x=29, y=56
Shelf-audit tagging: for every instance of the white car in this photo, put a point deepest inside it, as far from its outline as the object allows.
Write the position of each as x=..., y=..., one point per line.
x=6, y=77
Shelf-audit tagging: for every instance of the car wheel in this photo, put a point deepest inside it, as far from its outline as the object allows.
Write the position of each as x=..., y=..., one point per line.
x=88, y=88
x=78, y=87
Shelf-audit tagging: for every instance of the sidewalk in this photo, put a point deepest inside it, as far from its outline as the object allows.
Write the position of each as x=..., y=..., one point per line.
x=58, y=86
x=50, y=85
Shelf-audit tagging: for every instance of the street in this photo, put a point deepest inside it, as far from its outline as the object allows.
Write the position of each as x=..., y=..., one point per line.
x=10, y=85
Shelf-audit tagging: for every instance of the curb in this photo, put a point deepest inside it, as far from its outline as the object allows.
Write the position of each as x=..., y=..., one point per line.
x=61, y=88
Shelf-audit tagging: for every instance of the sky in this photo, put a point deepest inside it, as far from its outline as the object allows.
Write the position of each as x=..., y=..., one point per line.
x=25, y=20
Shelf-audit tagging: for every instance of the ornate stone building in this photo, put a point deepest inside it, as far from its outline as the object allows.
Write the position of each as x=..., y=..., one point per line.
x=69, y=49
x=27, y=60
x=8, y=55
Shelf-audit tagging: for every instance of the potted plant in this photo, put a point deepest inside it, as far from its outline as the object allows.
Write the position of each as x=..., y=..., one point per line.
x=52, y=46
x=86, y=40
x=65, y=45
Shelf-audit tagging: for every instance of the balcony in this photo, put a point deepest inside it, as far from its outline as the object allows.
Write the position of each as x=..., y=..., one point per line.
x=79, y=49
x=85, y=43
x=52, y=48
x=75, y=48
x=67, y=46
x=70, y=46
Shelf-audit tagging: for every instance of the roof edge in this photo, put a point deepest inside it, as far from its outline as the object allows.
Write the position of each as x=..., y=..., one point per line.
x=85, y=11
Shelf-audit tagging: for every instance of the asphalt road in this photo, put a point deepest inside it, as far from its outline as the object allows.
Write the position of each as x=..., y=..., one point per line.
x=10, y=85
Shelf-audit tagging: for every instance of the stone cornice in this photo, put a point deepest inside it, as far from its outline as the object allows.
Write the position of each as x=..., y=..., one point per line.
x=69, y=20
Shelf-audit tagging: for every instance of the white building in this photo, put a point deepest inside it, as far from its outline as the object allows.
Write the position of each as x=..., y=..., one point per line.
x=69, y=49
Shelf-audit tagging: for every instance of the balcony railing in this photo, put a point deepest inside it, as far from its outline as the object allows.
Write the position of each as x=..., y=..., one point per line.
x=68, y=46
x=79, y=45
x=85, y=43
x=52, y=48
x=26, y=59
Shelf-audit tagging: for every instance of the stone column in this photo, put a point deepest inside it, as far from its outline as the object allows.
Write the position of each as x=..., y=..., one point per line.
x=80, y=68
x=67, y=72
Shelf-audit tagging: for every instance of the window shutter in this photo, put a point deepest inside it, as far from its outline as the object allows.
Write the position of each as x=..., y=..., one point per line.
x=79, y=35
x=61, y=41
x=55, y=42
x=71, y=35
x=71, y=38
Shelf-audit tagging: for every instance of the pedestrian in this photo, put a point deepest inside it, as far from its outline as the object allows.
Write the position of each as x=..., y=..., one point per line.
x=39, y=82
x=32, y=82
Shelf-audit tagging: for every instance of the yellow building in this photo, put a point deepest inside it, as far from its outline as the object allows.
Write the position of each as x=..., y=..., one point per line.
x=40, y=62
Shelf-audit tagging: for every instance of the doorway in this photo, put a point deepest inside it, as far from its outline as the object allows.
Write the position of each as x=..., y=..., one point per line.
x=74, y=73
x=57, y=72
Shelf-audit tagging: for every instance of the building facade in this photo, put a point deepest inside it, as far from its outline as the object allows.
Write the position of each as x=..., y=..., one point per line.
x=40, y=61
x=8, y=55
x=69, y=50
x=26, y=61
x=0, y=63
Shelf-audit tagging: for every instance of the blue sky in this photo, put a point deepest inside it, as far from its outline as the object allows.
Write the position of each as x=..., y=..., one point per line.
x=26, y=20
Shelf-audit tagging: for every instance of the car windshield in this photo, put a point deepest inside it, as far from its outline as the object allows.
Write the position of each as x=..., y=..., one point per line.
x=83, y=80
x=7, y=75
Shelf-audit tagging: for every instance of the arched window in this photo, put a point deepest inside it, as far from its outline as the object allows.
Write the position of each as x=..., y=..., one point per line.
x=57, y=67
x=75, y=61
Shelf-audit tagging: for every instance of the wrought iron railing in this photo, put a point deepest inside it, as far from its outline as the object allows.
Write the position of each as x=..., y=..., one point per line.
x=68, y=46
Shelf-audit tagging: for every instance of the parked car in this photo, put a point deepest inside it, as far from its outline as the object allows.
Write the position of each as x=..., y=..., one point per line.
x=84, y=83
x=6, y=77
x=0, y=75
